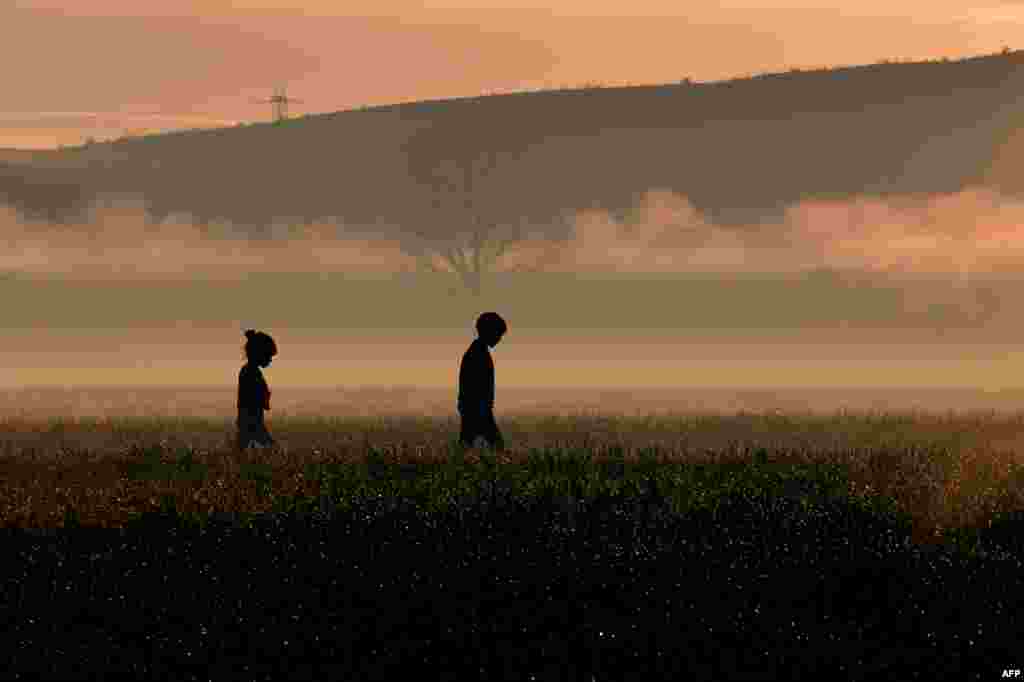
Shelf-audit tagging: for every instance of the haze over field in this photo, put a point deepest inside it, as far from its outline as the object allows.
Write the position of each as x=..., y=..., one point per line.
x=879, y=206
x=972, y=231
x=159, y=332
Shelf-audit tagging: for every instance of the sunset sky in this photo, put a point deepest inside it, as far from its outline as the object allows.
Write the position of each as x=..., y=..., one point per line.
x=104, y=68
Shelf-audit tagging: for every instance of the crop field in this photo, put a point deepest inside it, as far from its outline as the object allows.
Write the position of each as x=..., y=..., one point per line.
x=945, y=473
x=583, y=518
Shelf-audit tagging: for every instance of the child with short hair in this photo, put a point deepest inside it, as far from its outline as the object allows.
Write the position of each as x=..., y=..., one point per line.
x=476, y=384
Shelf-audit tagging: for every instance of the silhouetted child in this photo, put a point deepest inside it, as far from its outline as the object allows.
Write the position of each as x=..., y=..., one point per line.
x=476, y=384
x=253, y=392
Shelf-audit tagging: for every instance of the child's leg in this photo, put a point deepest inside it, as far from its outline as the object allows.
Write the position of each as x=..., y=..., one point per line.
x=484, y=426
x=252, y=430
x=242, y=438
x=491, y=432
x=261, y=434
x=468, y=432
x=468, y=438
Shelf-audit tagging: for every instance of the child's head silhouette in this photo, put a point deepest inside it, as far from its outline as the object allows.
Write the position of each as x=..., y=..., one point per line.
x=491, y=327
x=259, y=348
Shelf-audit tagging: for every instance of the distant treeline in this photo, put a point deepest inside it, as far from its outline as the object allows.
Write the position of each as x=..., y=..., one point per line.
x=740, y=150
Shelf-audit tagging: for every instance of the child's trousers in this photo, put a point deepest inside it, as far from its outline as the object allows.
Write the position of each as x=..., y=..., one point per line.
x=252, y=430
x=481, y=424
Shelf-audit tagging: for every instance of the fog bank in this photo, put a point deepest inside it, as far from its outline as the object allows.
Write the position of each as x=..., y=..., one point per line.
x=973, y=231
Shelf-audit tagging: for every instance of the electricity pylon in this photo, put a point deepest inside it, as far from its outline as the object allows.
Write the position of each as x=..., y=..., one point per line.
x=280, y=101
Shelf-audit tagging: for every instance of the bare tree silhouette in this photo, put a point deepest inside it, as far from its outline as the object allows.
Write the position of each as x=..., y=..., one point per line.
x=470, y=199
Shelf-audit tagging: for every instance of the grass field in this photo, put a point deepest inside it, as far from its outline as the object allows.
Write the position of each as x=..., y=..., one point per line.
x=699, y=546
x=949, y=474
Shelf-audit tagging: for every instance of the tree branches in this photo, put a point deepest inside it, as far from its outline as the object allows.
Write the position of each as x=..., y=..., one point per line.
x=467, y=177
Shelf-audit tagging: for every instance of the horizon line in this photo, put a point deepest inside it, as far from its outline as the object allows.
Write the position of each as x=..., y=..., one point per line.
x=590, y=85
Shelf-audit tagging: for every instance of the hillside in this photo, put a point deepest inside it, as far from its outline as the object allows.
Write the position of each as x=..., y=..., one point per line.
x=741, y=150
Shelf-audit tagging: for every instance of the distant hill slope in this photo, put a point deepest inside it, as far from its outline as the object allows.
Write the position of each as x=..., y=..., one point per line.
x=740, y=149
x=23, y=155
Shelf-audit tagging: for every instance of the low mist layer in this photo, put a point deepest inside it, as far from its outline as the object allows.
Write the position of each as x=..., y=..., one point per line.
x=972, y=231
x=969, y=233
x=81, y=402
x=183, y=356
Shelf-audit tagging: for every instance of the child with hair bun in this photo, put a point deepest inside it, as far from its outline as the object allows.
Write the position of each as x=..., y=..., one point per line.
x=253, y=392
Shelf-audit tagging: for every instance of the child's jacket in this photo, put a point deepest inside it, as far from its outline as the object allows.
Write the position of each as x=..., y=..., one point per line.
x=476, y=380
x=253, y=393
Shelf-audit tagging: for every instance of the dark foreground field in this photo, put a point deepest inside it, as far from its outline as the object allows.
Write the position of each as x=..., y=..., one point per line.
x=754, y=591
x=743, y=547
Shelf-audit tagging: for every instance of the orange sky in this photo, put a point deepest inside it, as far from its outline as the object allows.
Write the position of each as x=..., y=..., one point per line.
x=106, y=67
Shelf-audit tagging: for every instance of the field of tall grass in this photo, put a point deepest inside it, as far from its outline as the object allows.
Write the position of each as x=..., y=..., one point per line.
x=948, y=474
x=744, y=546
